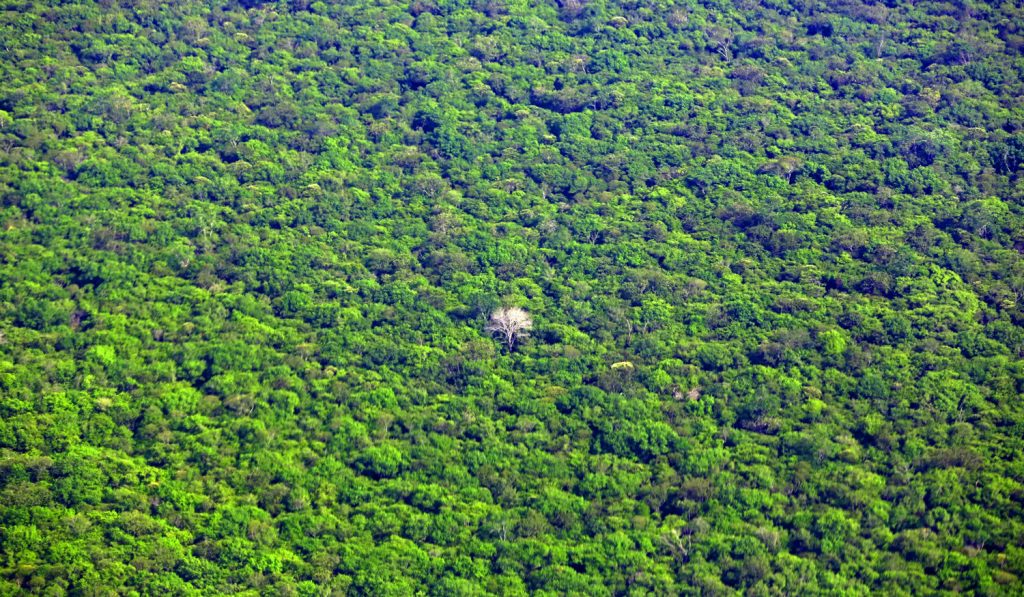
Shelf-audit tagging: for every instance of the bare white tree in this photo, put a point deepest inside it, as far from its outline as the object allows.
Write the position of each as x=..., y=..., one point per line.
x=512, y=323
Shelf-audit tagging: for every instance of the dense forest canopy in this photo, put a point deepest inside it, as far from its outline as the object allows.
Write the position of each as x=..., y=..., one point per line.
x=772, y=255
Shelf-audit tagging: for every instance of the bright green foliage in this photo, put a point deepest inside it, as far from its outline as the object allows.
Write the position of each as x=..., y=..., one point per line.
x=772, y=255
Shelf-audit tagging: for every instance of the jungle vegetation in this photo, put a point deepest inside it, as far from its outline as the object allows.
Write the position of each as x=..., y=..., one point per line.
x=771, y=255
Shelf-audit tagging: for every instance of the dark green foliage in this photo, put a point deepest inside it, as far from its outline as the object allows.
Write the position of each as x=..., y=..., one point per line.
x=772, y=254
